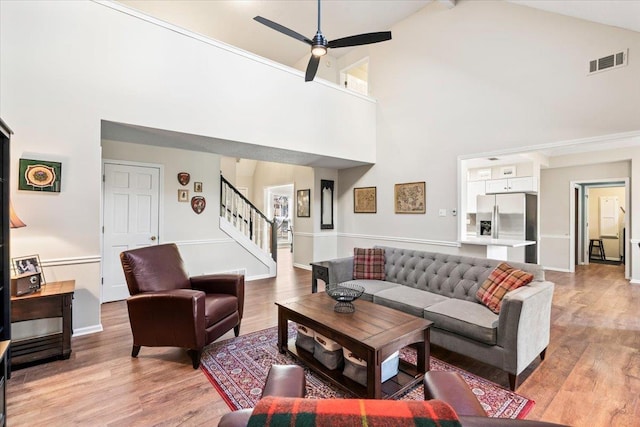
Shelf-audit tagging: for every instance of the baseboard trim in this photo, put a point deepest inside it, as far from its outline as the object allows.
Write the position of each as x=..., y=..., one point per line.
x=78, y=332
x=302, y=266
x=562, y=270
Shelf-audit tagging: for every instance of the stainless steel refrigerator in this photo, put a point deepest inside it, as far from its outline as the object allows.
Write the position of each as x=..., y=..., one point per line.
x=510, y=216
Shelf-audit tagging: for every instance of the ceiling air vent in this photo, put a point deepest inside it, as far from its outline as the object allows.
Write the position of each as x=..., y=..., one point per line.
x=609, y=62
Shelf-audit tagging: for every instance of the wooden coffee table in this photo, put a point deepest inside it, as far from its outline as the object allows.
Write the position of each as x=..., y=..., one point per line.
x=373, y=333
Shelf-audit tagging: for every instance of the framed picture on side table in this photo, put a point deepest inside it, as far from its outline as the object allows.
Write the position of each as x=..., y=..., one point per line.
x=28, y=264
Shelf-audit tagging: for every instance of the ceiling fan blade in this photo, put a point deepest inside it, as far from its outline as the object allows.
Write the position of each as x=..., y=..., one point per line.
x=312, y=68
x=361, y=39
x=284, y=30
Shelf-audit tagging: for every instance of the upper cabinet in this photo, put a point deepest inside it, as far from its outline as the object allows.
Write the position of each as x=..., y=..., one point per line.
x=524, y=184
x=474, y=189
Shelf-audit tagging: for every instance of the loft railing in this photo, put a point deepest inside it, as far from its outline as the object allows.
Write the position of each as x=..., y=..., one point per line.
x=248, y=219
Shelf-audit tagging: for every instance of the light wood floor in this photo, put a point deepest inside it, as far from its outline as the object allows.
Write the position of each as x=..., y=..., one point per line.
x=591, y=375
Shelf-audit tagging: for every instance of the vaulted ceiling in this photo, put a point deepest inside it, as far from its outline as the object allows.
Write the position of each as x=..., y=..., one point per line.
x=231, y=21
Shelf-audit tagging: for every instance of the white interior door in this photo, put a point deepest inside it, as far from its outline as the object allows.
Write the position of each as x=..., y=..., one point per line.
x=130, y=210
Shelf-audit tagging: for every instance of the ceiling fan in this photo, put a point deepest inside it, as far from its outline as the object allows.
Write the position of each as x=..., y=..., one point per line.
x=319, y=44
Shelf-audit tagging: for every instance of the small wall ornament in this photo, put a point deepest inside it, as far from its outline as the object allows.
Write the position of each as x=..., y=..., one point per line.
x=198, y=203
x=184, y=178
x=39, y=175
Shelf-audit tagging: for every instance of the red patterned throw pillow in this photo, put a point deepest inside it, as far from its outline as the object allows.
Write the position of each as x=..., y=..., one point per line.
x=502, y=279
x=368, y=264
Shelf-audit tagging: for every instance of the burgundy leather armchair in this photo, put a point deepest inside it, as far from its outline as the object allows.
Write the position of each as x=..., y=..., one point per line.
x=168, y=308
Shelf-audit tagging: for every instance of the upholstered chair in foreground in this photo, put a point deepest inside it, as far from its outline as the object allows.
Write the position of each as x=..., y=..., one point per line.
x=169, y=308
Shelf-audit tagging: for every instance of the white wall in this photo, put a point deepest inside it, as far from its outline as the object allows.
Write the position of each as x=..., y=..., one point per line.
x=67, y=65
x=480, y=77
x=555, y=206
x=206, y=249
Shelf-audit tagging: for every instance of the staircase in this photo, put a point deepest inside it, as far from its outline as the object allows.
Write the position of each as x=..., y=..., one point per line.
x=248, y=226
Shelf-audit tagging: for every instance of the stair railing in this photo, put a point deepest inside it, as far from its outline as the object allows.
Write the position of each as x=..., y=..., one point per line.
x=248, y=219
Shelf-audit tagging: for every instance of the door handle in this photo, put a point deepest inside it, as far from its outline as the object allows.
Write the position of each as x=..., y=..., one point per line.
x=153, y=238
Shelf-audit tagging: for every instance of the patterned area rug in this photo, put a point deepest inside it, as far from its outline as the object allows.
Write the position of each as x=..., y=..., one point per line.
x=238, y=367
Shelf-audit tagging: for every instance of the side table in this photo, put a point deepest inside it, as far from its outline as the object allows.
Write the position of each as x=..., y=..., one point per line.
x=53, y=300
x=319, y=270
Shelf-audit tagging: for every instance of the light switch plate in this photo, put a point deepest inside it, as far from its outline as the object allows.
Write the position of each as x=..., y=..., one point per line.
x=443, y=212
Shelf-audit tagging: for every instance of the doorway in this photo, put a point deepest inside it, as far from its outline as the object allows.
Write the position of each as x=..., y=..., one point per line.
x=131, y=207
x=355, y=77
x=601, y=222
x=279, y=206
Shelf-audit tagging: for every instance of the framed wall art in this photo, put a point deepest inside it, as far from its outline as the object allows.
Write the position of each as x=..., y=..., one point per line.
x=28, y=264
x=197, y=187
x=410, y=198
x=304, y=203
x=198, y=203
x=184, y=178
x=39, y=175
x=364, y=200
x=508, y=171
x=183, y=195
x=484, y=173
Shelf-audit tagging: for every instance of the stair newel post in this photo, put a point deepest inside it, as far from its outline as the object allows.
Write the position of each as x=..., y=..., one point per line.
x=274, y=240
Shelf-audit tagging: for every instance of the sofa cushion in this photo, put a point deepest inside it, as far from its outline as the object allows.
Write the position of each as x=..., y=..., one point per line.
x=368, y=264
x=409, y=300
x=502, y=279
x=372, y=287
x=466, y=318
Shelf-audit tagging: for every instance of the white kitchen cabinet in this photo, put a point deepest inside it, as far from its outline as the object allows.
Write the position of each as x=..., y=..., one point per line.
x=474, y=189
x=523, y=184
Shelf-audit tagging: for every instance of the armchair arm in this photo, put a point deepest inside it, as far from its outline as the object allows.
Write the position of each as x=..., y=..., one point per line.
x=340, y=269
x=219, y=284
x=524, y=324
x=168, y=318
x=232, y=284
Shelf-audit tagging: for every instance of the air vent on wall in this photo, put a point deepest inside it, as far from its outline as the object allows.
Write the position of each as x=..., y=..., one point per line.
x=609, y=62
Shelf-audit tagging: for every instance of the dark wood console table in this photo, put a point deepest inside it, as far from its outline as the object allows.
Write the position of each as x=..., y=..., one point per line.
x=53, y=300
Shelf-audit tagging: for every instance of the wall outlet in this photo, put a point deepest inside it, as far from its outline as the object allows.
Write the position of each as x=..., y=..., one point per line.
x=443, y=212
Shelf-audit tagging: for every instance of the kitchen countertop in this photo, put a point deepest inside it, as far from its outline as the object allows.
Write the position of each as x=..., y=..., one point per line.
x=488, y=241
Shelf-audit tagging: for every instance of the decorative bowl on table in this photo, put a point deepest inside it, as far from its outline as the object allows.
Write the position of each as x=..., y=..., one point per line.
x=344, y=294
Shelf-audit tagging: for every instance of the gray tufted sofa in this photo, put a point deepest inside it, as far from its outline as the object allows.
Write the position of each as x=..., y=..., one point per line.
x=442, y=288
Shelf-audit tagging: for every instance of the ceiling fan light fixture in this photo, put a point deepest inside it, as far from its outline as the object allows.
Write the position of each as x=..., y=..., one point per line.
x=318, y=50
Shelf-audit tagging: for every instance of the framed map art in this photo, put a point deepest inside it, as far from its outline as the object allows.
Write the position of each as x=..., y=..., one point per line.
x=364, y=200
x=410, y=198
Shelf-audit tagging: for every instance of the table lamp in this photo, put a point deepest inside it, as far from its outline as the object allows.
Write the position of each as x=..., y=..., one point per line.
x=14, y=221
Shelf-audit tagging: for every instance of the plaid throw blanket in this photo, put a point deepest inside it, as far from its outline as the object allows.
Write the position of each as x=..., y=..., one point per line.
x=282, y=411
